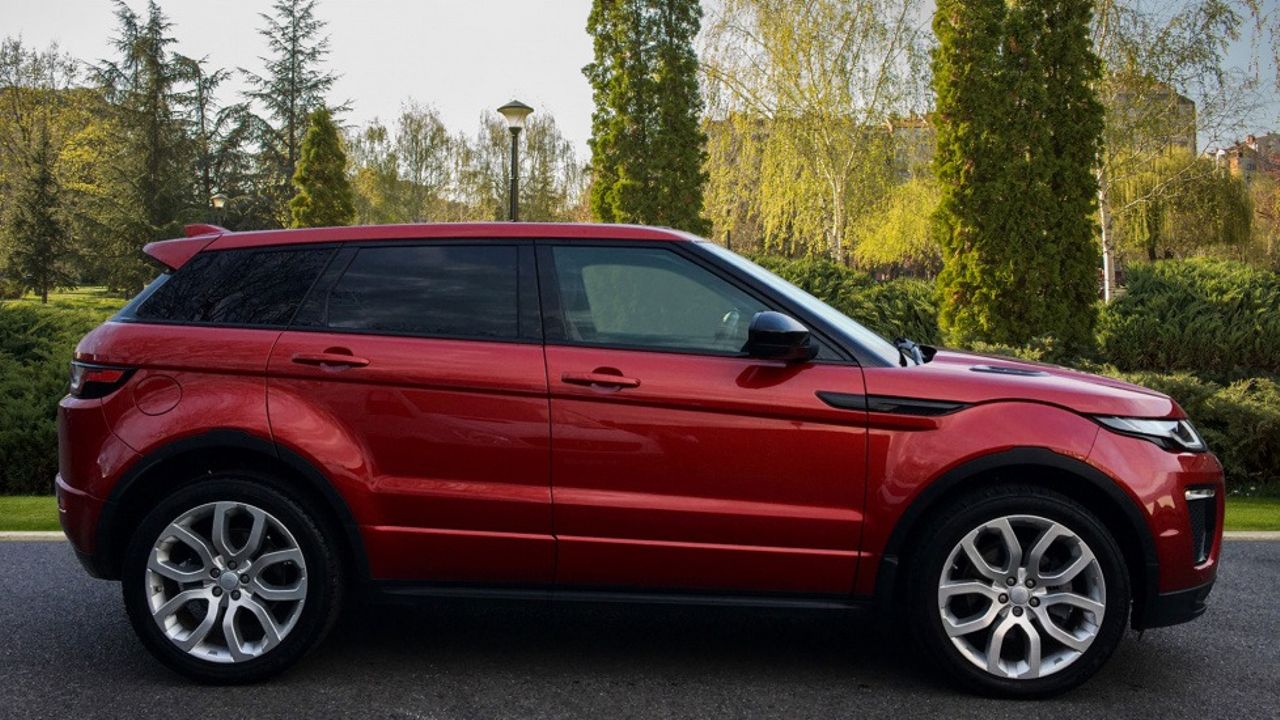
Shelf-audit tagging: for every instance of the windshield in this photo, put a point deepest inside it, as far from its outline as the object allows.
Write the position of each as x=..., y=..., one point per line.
x=872, y=342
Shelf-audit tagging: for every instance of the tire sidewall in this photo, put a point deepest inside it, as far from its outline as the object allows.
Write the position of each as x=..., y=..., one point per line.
x=927, y=570
x=323, y=577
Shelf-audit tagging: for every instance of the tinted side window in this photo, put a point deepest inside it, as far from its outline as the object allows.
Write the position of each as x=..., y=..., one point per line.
x=433, y=290
x=236, y=287
x=642, y=297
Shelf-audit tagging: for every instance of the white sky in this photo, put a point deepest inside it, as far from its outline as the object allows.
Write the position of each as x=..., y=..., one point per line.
x=462, y=56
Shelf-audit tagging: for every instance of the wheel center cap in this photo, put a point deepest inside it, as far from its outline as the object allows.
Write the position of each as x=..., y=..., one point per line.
x=228, y=581
x=1019, y=595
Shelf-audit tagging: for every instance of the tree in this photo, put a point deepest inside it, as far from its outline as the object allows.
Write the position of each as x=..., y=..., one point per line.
x=1165, y=85
x=1181, y=206
x=405, y=174
x=807, y=90
x=153, y=174
x=550, y=177
x=38, y=245
x=897, y=234
x=324, y=196
x=647, y=144
x=290, y=90
x=221, y=137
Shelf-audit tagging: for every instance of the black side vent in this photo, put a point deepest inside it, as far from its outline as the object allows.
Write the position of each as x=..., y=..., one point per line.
x=1007, y=370
x=1204, y=513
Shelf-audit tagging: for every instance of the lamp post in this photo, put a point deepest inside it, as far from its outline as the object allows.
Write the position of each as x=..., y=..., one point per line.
x=218, y=201
x=515, y=112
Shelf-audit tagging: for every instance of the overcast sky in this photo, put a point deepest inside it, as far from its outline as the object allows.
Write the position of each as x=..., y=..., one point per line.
x=462, y=56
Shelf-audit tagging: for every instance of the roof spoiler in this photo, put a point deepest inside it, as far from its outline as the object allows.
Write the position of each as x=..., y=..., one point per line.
x=173, y=254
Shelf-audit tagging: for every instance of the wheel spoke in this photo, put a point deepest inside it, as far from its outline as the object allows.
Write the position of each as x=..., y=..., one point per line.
x=185, y=536
x=175, y=603
x=984, y=568
x=1011, y=544
x=995, y=644
x=292, y=555
x=265, y=619
x=221, y=521
x=231, y=633
x=173, y=572
x=273, y=593
x=966, y=587
x=956, y=627
x=1041, y=546
x=1074, y=600
x=1033, y=649
x=196, y=636
x=1067, y=574
x=1057, y=633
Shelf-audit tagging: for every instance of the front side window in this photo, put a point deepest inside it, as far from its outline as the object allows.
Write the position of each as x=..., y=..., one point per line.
x=648, y=298
x=467, y=291
x=233, y=287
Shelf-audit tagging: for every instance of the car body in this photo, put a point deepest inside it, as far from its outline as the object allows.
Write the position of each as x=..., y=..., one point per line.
x=546, y=410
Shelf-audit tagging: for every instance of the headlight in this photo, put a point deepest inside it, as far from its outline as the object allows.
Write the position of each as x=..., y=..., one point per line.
x=1175, y=435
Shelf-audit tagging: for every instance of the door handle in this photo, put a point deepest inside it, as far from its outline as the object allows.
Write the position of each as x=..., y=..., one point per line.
x=605, y=379
x=330, y=357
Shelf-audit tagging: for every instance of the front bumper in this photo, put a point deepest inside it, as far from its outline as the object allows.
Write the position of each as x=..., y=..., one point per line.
x=1179, y=606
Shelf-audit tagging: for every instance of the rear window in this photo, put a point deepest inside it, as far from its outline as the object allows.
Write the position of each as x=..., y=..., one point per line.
x=233, y=287
x=463, y=291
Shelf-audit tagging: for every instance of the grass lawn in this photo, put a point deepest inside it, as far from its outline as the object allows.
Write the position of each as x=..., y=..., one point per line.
x=41, y=513
x=29, y=512
x=88, y=297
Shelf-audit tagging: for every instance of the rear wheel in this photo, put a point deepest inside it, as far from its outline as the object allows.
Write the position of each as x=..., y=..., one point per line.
x=230, y=581
x=1021, y=592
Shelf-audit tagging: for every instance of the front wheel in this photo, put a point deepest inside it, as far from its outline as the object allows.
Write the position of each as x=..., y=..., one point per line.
x=230, y=581
x=1021, y=592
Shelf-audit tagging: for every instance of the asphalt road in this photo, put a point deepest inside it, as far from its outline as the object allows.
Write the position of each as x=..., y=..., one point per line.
x=66, y=651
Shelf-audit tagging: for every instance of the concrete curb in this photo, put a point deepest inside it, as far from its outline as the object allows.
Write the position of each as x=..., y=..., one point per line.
x=31, y=536
x=1251, y=535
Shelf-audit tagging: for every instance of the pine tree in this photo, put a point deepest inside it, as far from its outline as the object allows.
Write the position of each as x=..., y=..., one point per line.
x=38, y=243
x=324, y=195
x=647, y=143
x=291, y=89
x=1019, y=131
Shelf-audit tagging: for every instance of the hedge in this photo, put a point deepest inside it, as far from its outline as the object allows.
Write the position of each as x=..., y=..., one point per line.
x=1214, y=317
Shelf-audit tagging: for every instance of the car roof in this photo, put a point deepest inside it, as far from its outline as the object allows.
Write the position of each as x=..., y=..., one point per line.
x=427, y=231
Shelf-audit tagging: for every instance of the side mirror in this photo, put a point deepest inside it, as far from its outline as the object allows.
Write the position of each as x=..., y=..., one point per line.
x=774, y=336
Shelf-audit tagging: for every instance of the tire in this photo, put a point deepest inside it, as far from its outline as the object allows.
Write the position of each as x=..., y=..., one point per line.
x=293, y=575
x=948, y=593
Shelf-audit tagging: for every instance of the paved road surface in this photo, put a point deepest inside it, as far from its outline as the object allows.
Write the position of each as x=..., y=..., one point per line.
x=66, y=651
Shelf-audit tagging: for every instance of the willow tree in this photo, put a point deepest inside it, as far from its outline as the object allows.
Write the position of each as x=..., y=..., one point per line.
x=814, y=86
x=1167, y=87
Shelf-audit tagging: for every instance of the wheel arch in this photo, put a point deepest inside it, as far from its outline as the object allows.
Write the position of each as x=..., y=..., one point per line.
x=152, y=478
x=1069, y=476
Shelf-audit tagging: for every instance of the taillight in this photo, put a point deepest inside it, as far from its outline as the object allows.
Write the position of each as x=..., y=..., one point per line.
x=96, y=381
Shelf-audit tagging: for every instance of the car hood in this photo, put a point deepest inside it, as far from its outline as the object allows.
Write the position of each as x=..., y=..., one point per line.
x=972, y=378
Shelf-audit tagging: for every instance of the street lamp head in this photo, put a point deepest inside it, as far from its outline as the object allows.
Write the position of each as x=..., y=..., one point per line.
x=515, y=112
x=218, y=201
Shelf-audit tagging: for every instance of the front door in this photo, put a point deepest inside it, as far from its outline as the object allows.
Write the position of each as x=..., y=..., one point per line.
x=677, y=462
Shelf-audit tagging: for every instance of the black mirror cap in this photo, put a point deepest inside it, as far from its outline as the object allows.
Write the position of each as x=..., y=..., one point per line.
x=775, y=336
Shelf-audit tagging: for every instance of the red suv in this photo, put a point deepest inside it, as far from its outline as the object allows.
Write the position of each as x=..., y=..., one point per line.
x=615, y=413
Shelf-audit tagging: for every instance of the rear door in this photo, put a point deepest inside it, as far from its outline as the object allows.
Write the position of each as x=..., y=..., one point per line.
x=416, y=371
x=678, y=462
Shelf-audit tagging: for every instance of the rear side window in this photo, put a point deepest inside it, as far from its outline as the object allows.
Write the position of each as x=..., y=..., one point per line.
x=234, y=287
x=466, y=291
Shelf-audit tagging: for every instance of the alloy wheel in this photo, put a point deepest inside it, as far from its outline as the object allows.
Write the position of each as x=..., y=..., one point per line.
x=1022, y=596
x=226, y=582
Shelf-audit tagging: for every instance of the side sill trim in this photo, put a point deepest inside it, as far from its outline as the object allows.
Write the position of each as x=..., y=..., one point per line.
x=413, y=590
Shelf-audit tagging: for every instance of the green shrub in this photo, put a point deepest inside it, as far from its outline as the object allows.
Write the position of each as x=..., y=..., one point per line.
x=896, y=308
x=36, y=343
x=1213, y=317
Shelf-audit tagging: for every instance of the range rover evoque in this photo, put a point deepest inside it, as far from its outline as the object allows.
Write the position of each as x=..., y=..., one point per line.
x=580, y=412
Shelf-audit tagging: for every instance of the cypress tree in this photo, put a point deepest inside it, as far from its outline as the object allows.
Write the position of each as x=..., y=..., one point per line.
x=647, y=143
x=324, y=196
x=38, y=240
x=1019, y=131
